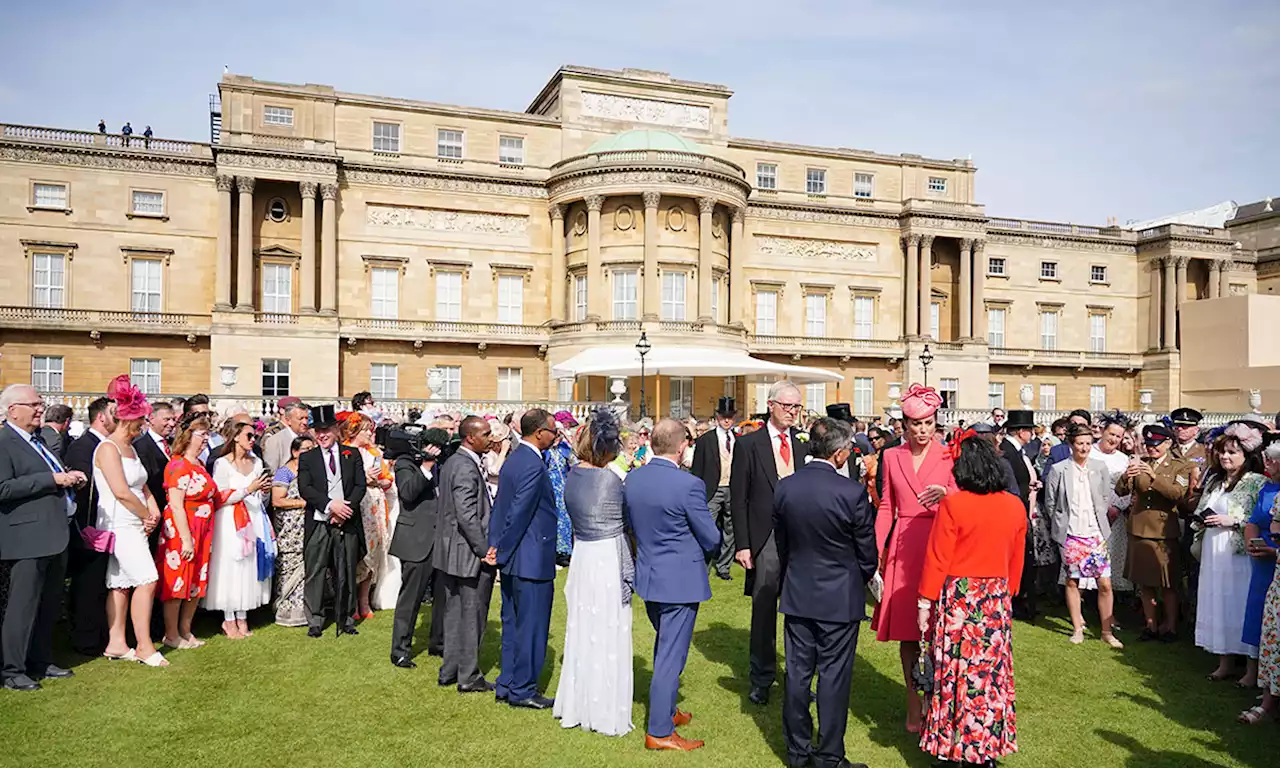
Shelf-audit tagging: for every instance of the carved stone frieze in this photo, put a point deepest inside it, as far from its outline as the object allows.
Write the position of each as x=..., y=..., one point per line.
x=408, y=178
x=822, y=217
x=106, y=161
x=1037, y=240
x=441, y=220
x=1195, y=247
x=273, y=162
x=648, y=178
x=808, y=248
x=649, y=111
x=915, y=221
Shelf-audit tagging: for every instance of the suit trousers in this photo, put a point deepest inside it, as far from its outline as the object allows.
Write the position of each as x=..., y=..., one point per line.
x=718, y=505
x=87, y=596
x=35, y=603
x=1025, y=605
x=827, y=648
x=465, y=619
x=415, y=580
x=525, y=626
x=673, y=625
x=764, y=615
x=328, y=547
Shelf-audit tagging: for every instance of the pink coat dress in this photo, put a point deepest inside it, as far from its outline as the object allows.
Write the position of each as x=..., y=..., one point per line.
x=902, y=553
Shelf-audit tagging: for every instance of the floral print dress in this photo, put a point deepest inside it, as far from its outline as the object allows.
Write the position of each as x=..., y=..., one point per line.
x=375, y=515
x=557, y=458
x=290, y=527
x=181, y=579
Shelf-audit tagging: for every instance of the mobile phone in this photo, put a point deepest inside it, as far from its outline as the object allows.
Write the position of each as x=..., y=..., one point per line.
x=1257, y=542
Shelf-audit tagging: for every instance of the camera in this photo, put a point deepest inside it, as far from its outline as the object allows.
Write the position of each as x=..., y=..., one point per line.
x=410, y=441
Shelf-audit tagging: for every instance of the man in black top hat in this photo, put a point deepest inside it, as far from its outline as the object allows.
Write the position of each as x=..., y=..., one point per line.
x=853, y=468
x=712, y=462
x=1019, y=429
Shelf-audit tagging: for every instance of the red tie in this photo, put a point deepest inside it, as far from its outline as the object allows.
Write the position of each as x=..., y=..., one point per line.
x=728, y=447
x=784, y=449
x=333, y=468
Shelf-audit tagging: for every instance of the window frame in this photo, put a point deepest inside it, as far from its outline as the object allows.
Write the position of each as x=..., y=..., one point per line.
x=378, y=379
x=992, y=388
x=1049, y=271
x=35, y=254
x=282, y=112
x=809, y=181
x=441, y=145
x=151, y=263
x=1048, y=396
x=34, y=203
x=618, y=280
x=1048, y=341
x=374, y=138
x=935, y=320
x=134, y=213
x=519, y=384
x=870, y=303
x=142, y=380
x=374, y=299
x=949, y=389
x=272, y=265
x=681, y=405
x=510, y=310
x=864, y=387
x=670, y=307
x=870, y=179
x=579, y=288
x=936, y=185
x=510, y=163
x=1003, y=314
x=443, y=302
x=819, y=301
x=276, y=374
x=1094, y=279
x=772, y=176
x=1004, y=266
x=772, y=327
x=48, y=371
x=448, y=382
x=1096, y=405
x=1098, y=343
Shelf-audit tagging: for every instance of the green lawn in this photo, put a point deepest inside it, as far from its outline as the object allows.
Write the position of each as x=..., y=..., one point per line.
x=280, y=698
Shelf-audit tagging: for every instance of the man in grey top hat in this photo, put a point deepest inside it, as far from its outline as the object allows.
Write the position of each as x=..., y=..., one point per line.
x=712, y=461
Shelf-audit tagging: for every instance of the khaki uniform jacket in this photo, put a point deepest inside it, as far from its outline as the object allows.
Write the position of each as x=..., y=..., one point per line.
x=1153, y=513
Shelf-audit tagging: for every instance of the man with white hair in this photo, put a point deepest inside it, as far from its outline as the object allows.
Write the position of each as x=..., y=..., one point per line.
x=293, y=419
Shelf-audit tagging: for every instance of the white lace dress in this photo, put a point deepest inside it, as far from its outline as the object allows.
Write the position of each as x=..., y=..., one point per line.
x=233, y=572
x=131, y=563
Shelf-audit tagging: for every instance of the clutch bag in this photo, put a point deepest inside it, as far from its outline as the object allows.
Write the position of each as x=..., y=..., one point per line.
x=98, y=540
x=876, y=587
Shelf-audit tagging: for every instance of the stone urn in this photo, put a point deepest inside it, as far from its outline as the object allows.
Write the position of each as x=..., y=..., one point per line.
x=435, y=382
x=1025, y=396
x=618, y=388
x=1255, y=400
x=1145, y=396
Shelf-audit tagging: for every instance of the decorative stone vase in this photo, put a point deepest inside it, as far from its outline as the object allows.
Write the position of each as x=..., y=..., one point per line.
x=894, y=411
x=1255, y=400
x=1025, y=396
x=228, y=376
x=435, y=382
x=618, y=388
x=1145, y=396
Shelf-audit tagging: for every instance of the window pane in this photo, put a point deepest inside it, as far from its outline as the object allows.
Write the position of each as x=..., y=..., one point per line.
x=145, y=375
x=564, y=390
x=863, y=396
x=766, y=176
x=673, y=295
x=511, y=150
x=1098, y=397
x=995, y=328
x=863, y=185
x=1048, y=330
x=50, y=195
x=386, y=137
x=995, y=394
x=995, y=266
x=449, y=296
x=46, y=373
x=451, y=388
x=715, y=301
x=384, y=291
x=1097, y=333
x=937, y=184
x=1048, y=397
x=864, y=317
x=766, y=313
x=146, y=280
x=935, y=320
x=510, y=384
x=681, y=404
x=816, y=181
x=815, y=315
x=1098, y=274
x=511, y=299
x=383, y=381
x=275, y=377
x=624, y=295
x=579, y=298
x=277, y=116
x=47, y=279
x=449, y=144
x=815, y=397
x=148, y=202
x=277, y=288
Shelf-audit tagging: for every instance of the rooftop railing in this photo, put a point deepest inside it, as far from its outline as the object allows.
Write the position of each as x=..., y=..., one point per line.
x=61, y=136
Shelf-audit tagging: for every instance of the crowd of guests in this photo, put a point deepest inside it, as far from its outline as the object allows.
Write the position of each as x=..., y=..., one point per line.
x=951, y=532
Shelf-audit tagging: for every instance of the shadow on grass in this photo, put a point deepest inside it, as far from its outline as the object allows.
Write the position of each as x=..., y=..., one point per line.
x=728, y=645
x=1143, y=757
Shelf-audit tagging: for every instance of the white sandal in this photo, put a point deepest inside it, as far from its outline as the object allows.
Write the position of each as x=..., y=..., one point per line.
x=129, y=655
x=156, y=659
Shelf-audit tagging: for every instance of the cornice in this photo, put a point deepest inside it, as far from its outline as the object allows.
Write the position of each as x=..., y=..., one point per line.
x=586, y=179
x=358, y=173
x=107, y=159
x=1188, y=243
x=431, y=107
x=821, y=215
x=1041, y=240
x=844, y=153
x=945, y=223
x=277, y=160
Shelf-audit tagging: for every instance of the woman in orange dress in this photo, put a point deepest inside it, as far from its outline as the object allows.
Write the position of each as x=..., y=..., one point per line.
x=358, y=432
x=915, y=477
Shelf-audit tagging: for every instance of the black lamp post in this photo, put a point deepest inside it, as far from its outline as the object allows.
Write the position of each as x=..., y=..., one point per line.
x=642, y=346
x=926, y=360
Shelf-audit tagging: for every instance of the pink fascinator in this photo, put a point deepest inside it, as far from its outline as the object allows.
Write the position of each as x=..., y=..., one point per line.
x=130, y=402
x=1248, y=435
x=920, y=402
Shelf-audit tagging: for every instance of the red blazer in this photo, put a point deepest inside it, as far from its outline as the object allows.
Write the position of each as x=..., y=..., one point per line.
x=975, y=535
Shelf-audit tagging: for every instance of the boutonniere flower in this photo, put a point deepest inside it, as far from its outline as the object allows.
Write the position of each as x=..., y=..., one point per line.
x=345, y=453
x=802, y=437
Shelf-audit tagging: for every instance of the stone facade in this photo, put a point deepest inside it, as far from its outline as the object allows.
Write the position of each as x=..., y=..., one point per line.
x=364, y=240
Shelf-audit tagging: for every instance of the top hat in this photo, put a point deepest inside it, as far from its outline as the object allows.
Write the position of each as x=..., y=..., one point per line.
x=1186, y=417
x=726, y=406
x=323, y=416
x=1019, y=420
x=840, y=412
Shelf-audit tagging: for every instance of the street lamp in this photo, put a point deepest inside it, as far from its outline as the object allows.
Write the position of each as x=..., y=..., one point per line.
x=642, y=346
x=926, y=360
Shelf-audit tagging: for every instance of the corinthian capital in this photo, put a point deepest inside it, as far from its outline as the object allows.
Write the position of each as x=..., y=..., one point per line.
x=651, y=200
x=594, y=202
x=555, y=211
x=706, y=205
x=245, y=184
x=329, y=191
x=308, y=189
x=225, y=183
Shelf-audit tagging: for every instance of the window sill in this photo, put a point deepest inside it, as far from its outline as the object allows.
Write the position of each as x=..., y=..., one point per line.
x=50, y=208
x=817, y=195
x=156, y=216
x=450, y=160
x=1103, y=284
x=998, y=276
x=386, y=155
x=1050, y=279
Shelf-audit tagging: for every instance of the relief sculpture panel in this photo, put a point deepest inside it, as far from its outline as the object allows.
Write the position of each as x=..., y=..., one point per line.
x=648, y=111
x=807, y=248
x=441, y=220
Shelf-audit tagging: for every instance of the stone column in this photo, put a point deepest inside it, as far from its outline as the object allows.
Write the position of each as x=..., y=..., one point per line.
x=706, y=210
x=307, y=301
x=652, y=291
x=595, y=276
x=1180, y=279
x=329, y=249
x=979, y=290
x=1153, y=316
x=1170, y=306
x=1215, y=279
x=737, y=269
x=244, y=260
x=926, y=284
x=966, y=289
x=559, y=269
x=909, y=245
x=223, y=269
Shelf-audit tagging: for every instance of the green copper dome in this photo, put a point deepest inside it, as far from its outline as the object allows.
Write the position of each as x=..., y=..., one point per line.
x=645, y=139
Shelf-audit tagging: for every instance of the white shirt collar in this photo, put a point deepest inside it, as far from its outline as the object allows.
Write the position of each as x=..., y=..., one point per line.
x=1016, y=442
x=774, y=431
x=99, y=435
x=159, y=440
x=28, y=435
x=535, y=448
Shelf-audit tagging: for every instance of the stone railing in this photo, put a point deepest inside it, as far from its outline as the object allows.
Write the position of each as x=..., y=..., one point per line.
x=1166, y=230
x=952, y=416
x=930, y=205
x=101, y=319
x=1055, y=228
x=647, y=157
x=427, y=330
x=274, y=318
x=1076, y=357
x=41, y=135
x=271, y=141
x=824, y=345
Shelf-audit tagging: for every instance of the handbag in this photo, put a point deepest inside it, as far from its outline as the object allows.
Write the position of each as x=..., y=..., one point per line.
x=922, y=671
x=96, y=539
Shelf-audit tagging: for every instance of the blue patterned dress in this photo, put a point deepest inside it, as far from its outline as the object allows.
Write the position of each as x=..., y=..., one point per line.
x=557, y=458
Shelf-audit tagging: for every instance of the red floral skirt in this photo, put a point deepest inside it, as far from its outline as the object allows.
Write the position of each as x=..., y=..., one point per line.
x=970, y=715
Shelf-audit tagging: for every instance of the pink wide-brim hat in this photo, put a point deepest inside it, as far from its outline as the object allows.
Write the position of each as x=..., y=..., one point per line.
x=130, y=402
x=920, y=402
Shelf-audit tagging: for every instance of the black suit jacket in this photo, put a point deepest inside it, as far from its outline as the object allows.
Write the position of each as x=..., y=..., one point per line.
x=825, y=530
x=706, y=460
x=313, y=487
x=33, y=509
x=56, y=441
x=751, y=486
x=1014, y=455
x=80, y=456
x=154, y=461
x=415, y=535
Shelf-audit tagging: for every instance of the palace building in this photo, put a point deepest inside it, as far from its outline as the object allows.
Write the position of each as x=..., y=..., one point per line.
x=326, y=242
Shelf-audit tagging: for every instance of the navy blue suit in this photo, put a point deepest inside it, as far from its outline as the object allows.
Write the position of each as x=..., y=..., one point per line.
x=674, y=533
x=523, y=530
x=825, y=531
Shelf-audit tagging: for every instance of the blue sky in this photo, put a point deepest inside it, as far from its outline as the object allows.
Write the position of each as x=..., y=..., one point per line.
x=1072, y=111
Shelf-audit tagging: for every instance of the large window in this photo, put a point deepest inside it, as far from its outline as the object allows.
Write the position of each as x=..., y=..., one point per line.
x=995, y=327
x=1048, y=270
x=864, y=185
x=815, y=315
x=864, y=317
x=624, y=294
x=1097, y=332
x=949, y=389
x=935, y=320
x=564, y=390
x=450, y=382
x=715, y=301
x=815, y=397
x=275, y=377
x=673, y=287
x=864, y=396
x=277, y=288
x=681, y=397
x=580, y=297
x=449, y=296
x=511, y=150
x=49, y=195
x=1097, y=397
x=511, y=299
x=766, y=313
x=46, y=373
x=510, y=384
x=146, y=280
x=48, y=280
x=1049, y=329
x=384, y=293
x=277, y=116
x=996, y=267
x=995, y=394
x=383, y=381
x=449, y=144
x=1048, y=397
x=937, y=185
x=386, y=137
x=146, y=203
x=815, y=181
x=144, y=373
x=767, y=175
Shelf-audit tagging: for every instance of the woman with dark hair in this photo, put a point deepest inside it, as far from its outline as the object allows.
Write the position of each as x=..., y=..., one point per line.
x=289, y=513
x=973, y=563
x=239, y=578
x=1227, y=497
x=916, y=476
x=595, y=679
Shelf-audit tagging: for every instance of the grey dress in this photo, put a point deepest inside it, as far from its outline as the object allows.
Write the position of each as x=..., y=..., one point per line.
x=593, y=499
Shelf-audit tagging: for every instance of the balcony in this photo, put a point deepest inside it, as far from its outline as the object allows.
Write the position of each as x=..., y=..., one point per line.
x=1058, y=228
x=270, y=141
x=1065, y=358
x=942, y=207
x=646, y=158
x=34, y=134
x=443, y=330
x=98, y=320
x=819, y=345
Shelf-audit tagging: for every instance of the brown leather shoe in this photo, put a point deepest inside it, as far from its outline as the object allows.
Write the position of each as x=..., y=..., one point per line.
x=681, y=718
x=674, y=741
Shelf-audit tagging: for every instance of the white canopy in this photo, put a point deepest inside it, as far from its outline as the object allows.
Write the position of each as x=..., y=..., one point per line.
x=623, y=360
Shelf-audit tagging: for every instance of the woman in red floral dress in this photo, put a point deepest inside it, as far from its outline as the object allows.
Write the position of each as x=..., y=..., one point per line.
x=974, y=560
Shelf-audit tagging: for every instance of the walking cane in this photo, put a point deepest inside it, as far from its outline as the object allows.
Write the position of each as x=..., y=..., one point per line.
x=340, y=556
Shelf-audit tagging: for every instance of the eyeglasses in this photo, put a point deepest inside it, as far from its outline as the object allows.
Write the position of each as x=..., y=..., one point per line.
x=791, y=407
x=34, y=406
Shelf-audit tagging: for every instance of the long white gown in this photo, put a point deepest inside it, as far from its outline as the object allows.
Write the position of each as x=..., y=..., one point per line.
x=131, y=564
x=1223, y=591
x=233, y=573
